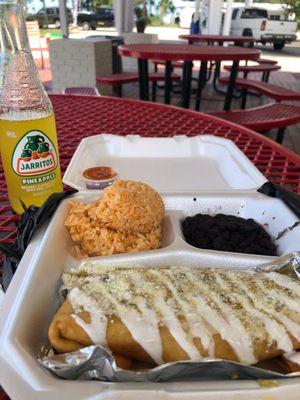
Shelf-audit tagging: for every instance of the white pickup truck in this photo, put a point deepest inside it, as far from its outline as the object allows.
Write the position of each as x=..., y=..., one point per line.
x=276, y=27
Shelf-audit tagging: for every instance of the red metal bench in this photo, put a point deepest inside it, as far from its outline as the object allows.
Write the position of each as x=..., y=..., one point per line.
x=175, y=64
x=266, y=61
x=266, y=69
x=117, y=80
x=264, y=118
x=275, y=92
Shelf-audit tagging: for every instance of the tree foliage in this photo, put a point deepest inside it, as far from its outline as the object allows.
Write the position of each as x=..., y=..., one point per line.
x=106, y=3
x=140, y=7
x=294, y=4
x=166, y=6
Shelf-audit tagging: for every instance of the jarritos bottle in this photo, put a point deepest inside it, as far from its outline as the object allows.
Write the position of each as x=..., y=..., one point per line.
x=28, y=141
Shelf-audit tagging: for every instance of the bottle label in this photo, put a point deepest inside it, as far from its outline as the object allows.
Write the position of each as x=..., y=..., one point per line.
x=30, y=160
x=34, y=154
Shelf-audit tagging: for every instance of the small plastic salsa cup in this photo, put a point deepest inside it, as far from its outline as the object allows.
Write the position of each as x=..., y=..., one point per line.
x=99, y=177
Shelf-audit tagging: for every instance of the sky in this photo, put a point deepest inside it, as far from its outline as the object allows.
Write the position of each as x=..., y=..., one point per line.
x=34, y=5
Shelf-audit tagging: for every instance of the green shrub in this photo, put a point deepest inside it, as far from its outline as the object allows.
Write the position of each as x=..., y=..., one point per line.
x=156, y=20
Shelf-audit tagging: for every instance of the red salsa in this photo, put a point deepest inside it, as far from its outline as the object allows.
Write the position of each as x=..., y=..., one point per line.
x=99, y=173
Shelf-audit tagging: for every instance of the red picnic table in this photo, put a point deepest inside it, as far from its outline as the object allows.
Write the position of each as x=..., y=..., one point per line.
x=220, y=39
x=81, y=116
x=188, y=54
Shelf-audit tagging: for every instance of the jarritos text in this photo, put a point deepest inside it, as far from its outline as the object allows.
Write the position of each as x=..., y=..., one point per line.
x=34, y=155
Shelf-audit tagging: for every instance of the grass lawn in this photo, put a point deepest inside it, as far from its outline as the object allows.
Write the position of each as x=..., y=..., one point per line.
x=45, y=32
x=53, y=33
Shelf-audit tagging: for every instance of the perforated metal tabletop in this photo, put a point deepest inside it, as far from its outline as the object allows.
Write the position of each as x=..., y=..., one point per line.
x=81, y=116
x=185, y=52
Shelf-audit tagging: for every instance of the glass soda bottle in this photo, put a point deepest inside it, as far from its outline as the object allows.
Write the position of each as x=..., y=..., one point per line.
x=28, y=141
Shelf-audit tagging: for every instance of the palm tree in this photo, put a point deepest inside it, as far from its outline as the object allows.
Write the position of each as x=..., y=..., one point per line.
x=145, y=9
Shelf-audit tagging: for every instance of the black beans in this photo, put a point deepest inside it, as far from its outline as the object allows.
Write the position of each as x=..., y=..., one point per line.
x=228, y=233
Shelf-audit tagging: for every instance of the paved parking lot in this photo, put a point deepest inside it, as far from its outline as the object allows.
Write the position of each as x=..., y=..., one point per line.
x=288, y=57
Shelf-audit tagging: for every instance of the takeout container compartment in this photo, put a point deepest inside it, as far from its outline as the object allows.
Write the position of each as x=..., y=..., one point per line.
x=170, y=228
x=172, y=164
x=27, y=315
x=271, y=214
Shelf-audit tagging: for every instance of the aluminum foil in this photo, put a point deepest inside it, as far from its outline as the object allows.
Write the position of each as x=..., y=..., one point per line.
x=97, y=363
x=286, y=265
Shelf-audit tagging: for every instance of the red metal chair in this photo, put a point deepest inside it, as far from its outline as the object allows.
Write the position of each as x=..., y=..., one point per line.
x=117, y=80
x=264, y=118
x=266, y=69
x=82, y=91
x=274, y=92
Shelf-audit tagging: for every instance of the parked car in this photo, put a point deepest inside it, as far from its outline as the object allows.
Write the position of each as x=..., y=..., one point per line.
x=277, y=28
x=52, y=17
x=90, y=20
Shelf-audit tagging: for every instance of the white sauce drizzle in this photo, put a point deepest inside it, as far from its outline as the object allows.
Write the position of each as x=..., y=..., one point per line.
x=144, y=299
x=291, y=326
x=290, y=303
x=275, y=330
x=143, y=327
x=233, y=331
x=212, y=317
x=97, y=328
x=145, y=330
x=170, y=320
x=196, y=325
x=285, y=281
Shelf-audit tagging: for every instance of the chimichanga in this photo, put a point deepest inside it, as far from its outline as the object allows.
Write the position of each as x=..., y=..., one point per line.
x=167, y=314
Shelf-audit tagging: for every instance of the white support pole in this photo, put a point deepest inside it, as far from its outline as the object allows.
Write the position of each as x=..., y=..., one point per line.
x=214, y=19
x=204, y=16
x=63, y=18
x=197, y=11
x=128, y=16
x=227, y=18
x=118, y=16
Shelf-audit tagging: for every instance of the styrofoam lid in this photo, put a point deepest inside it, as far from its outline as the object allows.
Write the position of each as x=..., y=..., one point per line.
x=174, y=164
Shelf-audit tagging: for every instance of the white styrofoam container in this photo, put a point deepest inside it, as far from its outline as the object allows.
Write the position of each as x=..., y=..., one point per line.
x=32, y=300
x=172, y=164
x=32, y=297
